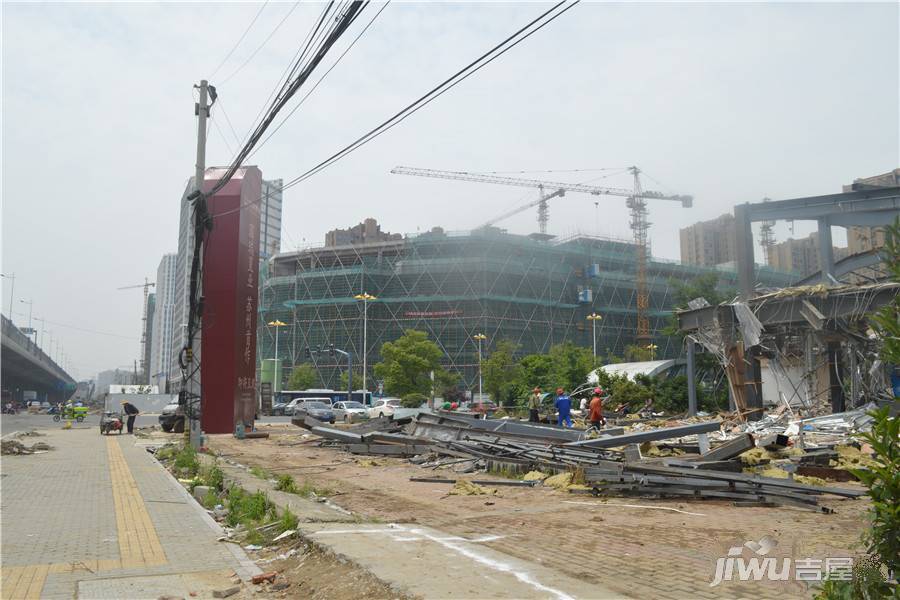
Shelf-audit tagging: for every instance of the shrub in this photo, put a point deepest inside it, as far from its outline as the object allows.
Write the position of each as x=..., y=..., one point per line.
x=248, y=508
x=260, y=472
x=186, y=461
x=214, y=477
x=288, y=520
x=286, y=483
x=413, y=400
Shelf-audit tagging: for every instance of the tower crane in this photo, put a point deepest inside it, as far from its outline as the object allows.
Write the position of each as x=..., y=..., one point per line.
x=636, y=202
x=146, y=285
x=767, y=237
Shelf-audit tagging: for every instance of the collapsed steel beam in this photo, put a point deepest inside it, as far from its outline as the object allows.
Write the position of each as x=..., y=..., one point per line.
x=648, y=436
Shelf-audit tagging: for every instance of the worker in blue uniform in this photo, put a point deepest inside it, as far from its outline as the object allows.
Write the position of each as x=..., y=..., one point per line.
x=563, y=407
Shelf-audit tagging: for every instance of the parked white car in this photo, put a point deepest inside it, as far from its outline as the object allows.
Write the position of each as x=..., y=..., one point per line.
x=348, y=411
x=384, y=407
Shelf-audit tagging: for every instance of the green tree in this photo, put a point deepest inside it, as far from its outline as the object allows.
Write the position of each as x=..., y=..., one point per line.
x=535, y=370
x=303, y=376
x=570, y=365
x=501, y=373
x=882, y=479
x=357, y=379
x=407, y=364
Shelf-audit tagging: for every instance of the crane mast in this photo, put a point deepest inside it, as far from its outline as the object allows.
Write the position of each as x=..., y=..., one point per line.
x=639, y=227
x=145, y=368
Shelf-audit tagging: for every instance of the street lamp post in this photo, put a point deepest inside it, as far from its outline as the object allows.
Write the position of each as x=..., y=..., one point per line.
x=652, y=348
x=276, y=324
x=12, y=290
x=30, y=304
x=593, y=318
x=366, y=298
x=479, y=337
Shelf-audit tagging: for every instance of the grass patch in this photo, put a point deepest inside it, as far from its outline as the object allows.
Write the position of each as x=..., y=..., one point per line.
x=288, y=520
x=309, y=489
x=248, y=509
x=254, y=537
x=260, y=472
x=214, y=477
x=210, y=500
x=286, y=483
x=187, y=464
x=166, y=453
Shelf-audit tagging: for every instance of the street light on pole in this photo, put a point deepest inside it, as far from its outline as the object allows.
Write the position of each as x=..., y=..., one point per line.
x=276, y=324
x=30, y=304
x=652, y=348
x=593, y=318
x=366, y=298
x=12, y=290
x=479, y=337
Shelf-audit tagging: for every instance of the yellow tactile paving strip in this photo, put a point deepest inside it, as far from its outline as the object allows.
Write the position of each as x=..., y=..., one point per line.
x=139, y=544
x=24, y=582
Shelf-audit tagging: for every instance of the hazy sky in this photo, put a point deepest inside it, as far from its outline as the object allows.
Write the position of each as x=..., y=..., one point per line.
x=728, y=102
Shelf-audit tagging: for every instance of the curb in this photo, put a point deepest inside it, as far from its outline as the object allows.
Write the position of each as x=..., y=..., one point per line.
x=247, y=568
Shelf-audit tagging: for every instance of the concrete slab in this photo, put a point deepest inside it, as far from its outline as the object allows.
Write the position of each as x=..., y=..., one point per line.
x=428, y=563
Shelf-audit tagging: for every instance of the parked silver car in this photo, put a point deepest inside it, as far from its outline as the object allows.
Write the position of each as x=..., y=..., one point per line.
x=348, y=411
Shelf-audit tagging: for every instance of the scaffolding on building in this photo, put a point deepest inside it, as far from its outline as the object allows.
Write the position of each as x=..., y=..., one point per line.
x=535, y=291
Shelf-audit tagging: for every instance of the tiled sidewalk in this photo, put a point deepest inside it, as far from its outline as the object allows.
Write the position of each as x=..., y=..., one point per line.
x=99, y=517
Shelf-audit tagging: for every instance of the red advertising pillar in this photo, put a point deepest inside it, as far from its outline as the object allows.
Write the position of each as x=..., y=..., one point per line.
x=230, y=295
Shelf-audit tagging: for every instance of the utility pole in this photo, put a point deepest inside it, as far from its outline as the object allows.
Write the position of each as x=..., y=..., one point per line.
x=201, y=109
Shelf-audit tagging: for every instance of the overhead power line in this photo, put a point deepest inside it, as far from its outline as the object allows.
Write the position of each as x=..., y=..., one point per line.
x=324, y=75
x=261, y=46
x=240, y=39
x=470, y=69
x=476, y=65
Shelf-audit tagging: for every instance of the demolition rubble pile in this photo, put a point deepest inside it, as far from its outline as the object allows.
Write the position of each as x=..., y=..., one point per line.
x=662, y=462
x=17, y=447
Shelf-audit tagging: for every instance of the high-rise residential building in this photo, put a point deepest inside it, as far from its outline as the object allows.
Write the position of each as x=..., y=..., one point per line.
x=367, y=232
x=709, y=243
x=270, y=219
x=161, y=348
x=270, y=244
x=800, y=256
x=148, y=337
x=863, y=239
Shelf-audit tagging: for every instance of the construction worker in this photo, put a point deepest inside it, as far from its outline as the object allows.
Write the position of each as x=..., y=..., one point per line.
x=563, y=408
x=597, y=409
x=132, y=412
x=534, y=405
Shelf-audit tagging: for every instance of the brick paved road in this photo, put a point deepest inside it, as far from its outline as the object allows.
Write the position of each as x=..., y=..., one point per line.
x=98, y=513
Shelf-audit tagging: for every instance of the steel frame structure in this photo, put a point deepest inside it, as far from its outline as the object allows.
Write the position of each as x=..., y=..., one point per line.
x=525, y=289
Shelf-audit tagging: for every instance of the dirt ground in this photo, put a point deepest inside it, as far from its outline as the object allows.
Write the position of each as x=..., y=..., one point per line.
x=313, y=574
x=620, y=543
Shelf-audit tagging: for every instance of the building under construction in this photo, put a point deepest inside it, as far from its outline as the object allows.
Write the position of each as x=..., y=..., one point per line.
x=535, y=291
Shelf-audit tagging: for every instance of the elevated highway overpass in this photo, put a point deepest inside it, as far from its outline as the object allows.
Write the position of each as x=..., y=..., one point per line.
x=24, y=366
